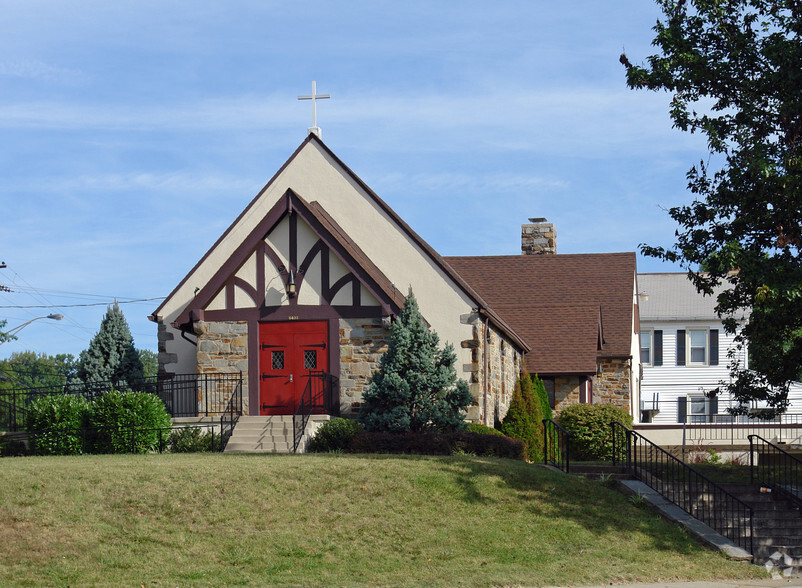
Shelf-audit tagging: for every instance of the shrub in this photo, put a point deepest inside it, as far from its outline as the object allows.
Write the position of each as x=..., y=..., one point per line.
x=524, y=417
x=128, y=421
x=334, y=435
x=56, y=423
x=193, y=440
x=590, y=429
x=434, y=443
x=416, y=386
x=483, y=430
x=542, y=396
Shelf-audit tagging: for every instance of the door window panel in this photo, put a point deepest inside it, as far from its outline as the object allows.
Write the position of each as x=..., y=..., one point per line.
x=278, y=359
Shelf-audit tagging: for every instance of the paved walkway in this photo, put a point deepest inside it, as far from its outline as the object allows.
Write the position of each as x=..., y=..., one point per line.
x=789, y=583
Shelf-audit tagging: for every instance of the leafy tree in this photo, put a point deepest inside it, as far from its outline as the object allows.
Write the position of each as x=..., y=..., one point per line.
x=111, y=356
x=733, y=69
x=416, y=386
x=29, y=370
x=5, y=336
x=150, y=362
x=524, y=417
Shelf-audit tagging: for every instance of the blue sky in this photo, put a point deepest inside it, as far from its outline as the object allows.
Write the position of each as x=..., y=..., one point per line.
x=133, y=134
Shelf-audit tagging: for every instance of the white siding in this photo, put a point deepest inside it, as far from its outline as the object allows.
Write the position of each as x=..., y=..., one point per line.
x=671, y=381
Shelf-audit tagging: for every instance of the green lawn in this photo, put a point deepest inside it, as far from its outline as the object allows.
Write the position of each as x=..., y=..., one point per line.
x=211, y=519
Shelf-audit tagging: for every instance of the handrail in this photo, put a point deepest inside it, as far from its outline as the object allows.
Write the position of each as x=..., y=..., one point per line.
x=556, y=445
x=776, y=468
x=316, y=397
x=690, y=490
x=301, y=416
x=231, y=414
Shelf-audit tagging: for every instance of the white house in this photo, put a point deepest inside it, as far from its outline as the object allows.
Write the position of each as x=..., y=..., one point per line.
x=685, y=354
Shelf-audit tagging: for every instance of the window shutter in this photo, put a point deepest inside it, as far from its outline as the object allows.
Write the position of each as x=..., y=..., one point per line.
x=681, y=347
x=713, y=404
x=682, y=409
x=713, y=346
x=657, y=350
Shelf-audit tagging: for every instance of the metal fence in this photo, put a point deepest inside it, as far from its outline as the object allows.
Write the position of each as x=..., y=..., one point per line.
x=684, y=486
x=184, y=395
x=774, y=467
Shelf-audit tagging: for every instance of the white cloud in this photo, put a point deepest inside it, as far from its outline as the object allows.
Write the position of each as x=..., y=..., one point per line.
x=38, y=70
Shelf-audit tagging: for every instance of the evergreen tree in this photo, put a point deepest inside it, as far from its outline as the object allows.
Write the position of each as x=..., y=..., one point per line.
x=540, y=392
x=111, y=356
x=416, y=386
x=524, y=417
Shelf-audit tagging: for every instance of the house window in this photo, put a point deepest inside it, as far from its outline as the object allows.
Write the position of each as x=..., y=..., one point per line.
x=697, y=347
x=698, y=409
x=646, y=347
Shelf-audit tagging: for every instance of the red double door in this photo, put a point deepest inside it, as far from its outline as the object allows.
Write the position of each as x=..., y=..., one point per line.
x=287, y=353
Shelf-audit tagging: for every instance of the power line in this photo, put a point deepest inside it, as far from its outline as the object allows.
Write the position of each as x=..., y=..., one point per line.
x=86, y=304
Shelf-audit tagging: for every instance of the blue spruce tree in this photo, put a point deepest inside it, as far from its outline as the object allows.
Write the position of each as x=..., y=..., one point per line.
x=416, y=386
x=111, y=356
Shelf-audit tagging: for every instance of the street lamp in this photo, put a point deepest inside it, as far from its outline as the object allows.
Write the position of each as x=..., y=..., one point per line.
x=18, y=328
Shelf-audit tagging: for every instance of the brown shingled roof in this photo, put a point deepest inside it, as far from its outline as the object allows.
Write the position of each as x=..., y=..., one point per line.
x=558, y=303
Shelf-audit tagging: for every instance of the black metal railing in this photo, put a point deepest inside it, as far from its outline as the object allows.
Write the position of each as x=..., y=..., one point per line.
x=775, y=468
x=184, y=395
x=12, y=416
x=556, y=445
x=187, y=395
x=684, y=486
x=318, y=398
x=99, y=440
x=230, y=416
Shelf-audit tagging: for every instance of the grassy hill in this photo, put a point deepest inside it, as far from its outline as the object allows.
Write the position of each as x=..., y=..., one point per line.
x=213, y=519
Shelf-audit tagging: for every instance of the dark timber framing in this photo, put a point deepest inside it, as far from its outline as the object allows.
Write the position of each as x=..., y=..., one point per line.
x=331, y=239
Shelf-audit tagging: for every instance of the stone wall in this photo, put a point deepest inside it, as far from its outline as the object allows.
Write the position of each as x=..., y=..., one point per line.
x=165, y=358
x=538, y=237
x=612, y=385
x=362, y=343
x=567, y=391
x=223, y=349
x=495, y=358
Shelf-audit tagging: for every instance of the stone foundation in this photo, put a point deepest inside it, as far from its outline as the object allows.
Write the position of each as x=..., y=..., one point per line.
x=362, y=343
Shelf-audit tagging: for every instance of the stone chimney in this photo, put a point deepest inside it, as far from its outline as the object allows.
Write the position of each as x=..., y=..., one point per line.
x=538, y=237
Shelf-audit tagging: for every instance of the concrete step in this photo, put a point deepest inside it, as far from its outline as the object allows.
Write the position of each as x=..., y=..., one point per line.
x=268, y=434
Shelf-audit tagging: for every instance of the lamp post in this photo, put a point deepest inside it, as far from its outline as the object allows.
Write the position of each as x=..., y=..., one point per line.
x=18, y=328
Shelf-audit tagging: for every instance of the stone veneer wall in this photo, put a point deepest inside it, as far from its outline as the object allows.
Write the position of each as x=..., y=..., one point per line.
x=165, y=358
x=612, y=385
x=223, y=349
x=362, y=343
x=539, y=237
x=566, y=392
x=503, y=369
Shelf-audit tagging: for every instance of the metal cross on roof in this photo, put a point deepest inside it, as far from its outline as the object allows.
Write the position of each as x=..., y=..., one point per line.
x=314, y=98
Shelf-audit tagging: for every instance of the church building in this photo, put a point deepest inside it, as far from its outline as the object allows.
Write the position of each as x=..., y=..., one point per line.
x=311, y=274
